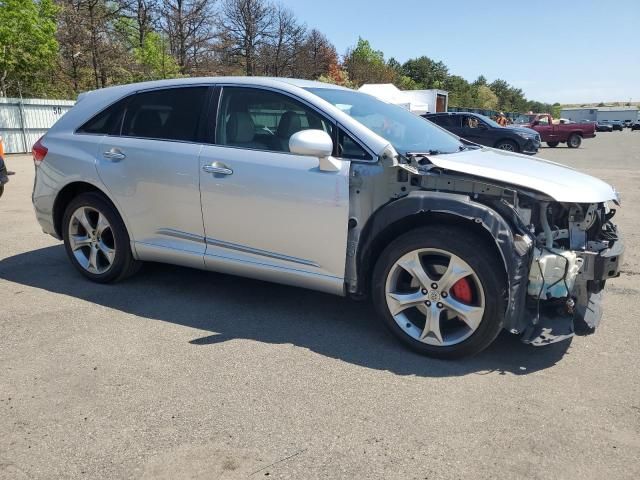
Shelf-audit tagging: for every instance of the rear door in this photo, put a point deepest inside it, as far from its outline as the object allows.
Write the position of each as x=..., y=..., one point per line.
x=151, y=170
x=269, y=213
x=448, y=122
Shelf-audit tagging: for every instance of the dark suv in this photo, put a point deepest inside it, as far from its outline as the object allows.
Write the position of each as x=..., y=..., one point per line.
x=480, y=129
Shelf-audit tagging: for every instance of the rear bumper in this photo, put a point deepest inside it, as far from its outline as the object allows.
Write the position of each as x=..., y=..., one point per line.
x=43, y=198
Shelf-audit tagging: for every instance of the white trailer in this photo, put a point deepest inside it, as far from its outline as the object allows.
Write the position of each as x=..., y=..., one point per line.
x=416, y=101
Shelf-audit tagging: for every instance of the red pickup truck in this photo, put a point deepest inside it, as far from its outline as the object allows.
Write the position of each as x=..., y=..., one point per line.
x=555, y=132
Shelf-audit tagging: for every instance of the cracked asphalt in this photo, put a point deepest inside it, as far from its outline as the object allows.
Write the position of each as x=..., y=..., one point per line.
x=178, y=373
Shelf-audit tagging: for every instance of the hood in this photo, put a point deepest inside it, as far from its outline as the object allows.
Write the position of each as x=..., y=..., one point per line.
x=529, y=131
x=559, y=182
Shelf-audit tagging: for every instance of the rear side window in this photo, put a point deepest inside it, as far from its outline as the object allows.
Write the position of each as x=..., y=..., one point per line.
x=168, y=114
x=446, y=120
x=107, y=122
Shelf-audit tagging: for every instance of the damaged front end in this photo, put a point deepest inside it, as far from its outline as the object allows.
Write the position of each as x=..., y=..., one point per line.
x=558, y=254
x=576, y=250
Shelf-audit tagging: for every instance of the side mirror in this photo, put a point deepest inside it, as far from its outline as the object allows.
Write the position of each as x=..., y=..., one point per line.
x=534, y=123
x=315, y=143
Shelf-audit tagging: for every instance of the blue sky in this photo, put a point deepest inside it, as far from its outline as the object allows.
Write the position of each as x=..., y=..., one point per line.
x=565, y=51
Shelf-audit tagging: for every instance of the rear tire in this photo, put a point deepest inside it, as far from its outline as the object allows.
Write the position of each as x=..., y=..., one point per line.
x=96, y=239
x=447, y=255
x=553, y=144
x=574, y=141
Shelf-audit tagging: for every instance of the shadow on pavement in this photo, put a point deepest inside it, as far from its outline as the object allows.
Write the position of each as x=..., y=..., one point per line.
x=233, y=307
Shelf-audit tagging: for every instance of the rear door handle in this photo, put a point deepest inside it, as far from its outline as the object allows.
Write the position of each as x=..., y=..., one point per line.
x=114, y=155
x=218, y=168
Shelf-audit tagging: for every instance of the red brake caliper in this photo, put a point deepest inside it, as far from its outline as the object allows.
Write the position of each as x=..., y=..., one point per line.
x=462, y=290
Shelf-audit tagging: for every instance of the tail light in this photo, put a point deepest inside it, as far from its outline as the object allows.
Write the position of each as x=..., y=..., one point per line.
x=39, y=151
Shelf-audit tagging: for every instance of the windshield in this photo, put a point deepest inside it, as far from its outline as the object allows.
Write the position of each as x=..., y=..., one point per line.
x=487, y=120
x=406, y=131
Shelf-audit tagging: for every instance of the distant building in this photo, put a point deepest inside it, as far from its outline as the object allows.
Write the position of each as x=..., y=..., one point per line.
x=599, y=114
x=416, y=101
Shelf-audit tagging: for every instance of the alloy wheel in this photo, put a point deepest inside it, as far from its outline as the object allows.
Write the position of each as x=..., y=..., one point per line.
x=91, y=240
x=435, y=297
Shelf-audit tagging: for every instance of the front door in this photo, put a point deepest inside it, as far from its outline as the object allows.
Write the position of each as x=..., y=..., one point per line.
x=151, y=169
x=269, y=213
x=475, y=130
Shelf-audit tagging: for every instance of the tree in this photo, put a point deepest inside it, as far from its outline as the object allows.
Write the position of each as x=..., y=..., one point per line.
x=337, y=76
x=486, y=98
x=28, y=46
x=316, y=57
x=153, y=59
x=245, y=27
x=461, y=93
x=426, y=72
x=280, y=53
x=366, y=65
x=189, y=27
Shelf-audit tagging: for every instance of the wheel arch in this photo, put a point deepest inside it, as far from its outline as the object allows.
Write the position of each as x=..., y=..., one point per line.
x=510, y=140
x=422, y=208
x=67, y=194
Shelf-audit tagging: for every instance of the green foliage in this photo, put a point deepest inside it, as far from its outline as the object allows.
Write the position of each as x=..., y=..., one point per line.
x=486, y=98
x=154, y=59
x=366, y=65
x=425, y=72
x=28, y=46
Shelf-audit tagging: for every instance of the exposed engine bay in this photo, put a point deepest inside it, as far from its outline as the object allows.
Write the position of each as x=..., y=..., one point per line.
x=558, y=255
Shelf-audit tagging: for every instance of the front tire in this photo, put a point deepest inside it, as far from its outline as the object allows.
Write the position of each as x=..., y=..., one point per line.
x=439, y=290
x=96, y=240
x=574, y=141
x=507, y=145
x=553, y=144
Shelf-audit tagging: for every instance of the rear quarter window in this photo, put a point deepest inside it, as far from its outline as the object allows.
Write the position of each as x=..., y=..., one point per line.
x=107, y=122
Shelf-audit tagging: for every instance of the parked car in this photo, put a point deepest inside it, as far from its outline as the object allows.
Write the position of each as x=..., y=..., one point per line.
x=604, y=126
x=636, y=125
x=322, y=187
x=4, y=178
x=627, y=123
x=617, y=125
x=480, y=129
x=555, y=133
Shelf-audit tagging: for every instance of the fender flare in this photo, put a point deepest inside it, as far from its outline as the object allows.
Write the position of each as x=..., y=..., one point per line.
x=516, y=266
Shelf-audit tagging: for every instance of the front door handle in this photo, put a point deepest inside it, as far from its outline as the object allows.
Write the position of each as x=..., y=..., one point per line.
x=217, y=168
x=114, y=155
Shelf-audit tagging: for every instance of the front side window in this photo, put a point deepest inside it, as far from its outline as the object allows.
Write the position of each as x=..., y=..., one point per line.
x=469, y=121
x=263, y=120
x=167, y=114
x=406, y=131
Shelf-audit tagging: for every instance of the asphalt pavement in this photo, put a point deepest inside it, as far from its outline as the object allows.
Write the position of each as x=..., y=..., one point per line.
x=178, y=373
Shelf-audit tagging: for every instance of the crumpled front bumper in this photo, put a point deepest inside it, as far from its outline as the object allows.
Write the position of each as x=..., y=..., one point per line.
x=531, y=146
x=551, y=322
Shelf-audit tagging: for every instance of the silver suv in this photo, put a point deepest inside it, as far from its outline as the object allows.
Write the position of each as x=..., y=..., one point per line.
x=322, y=187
